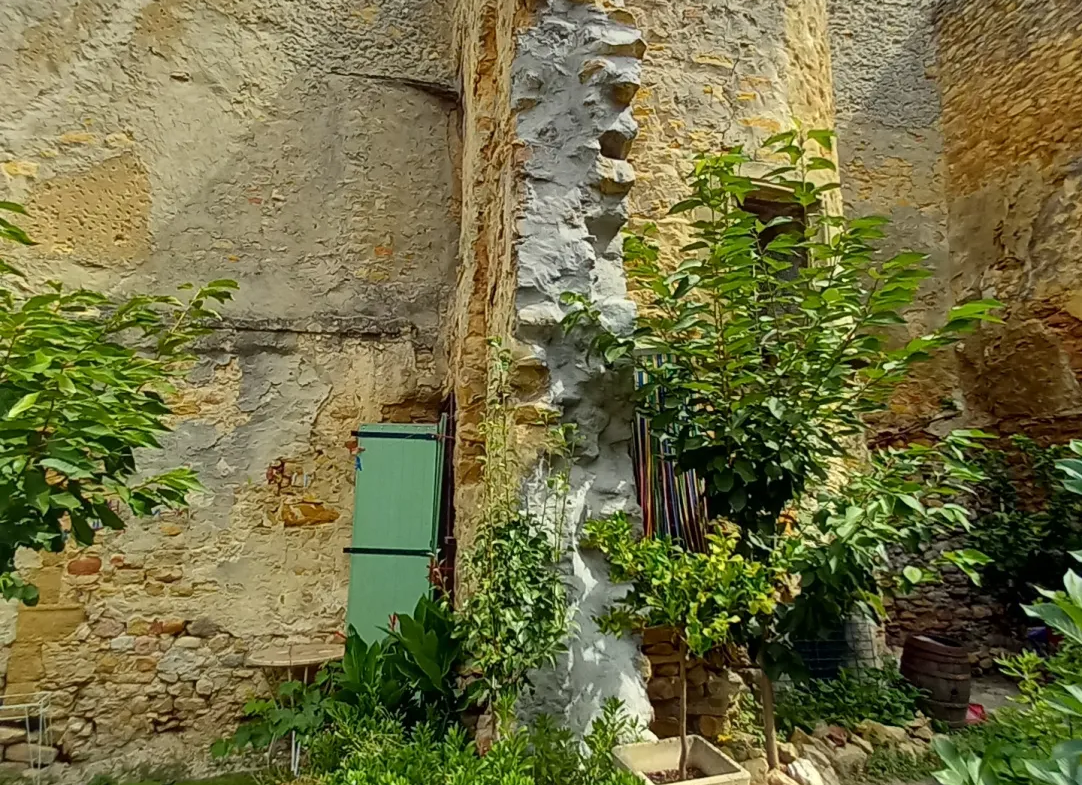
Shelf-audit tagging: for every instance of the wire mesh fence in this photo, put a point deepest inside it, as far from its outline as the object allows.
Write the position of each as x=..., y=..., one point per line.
x=856, y=645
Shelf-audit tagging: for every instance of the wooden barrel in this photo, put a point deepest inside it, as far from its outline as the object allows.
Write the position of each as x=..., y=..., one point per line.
x=939, y=667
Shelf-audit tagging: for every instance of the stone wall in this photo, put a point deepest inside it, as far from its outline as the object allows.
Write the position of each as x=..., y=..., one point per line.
x=958, y=609
x=961, y=135
x=714, y=686
x=892, y=164
x=576, y=69
x=1010, y=80
x=308, y=150
x=719, y=74
x=483, y=303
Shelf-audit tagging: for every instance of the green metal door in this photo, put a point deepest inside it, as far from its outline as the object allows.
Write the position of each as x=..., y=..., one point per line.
x=395, y=509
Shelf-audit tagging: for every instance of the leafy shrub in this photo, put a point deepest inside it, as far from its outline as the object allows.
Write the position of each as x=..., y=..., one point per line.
x=1039, y=743
x=375, y=749
x=709, y=599
x=889, y=764
x=879, y=694
x=1027, y=521
x=411, y=675
x=1012, y=734
x=515, y=616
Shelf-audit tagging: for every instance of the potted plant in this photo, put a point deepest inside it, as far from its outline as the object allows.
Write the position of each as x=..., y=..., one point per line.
x=704, y=598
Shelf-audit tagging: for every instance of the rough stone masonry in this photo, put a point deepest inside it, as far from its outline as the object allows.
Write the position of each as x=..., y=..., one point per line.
x=393, y=182
x=310, y=151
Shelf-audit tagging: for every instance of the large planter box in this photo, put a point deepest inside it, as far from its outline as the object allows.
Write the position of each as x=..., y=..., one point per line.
x=652, y=756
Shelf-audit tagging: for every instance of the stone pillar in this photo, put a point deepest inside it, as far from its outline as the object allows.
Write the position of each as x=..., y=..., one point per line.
x=576, y=70
x=715, y=74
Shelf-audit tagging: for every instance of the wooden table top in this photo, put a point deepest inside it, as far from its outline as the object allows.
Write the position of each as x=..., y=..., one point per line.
x=297, y=655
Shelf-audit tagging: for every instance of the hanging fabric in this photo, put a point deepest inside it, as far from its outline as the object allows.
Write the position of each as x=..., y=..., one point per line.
x=673, y=503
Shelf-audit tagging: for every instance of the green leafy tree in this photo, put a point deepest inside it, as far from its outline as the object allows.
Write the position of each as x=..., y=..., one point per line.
x=766, y=344
x=706, y=598
x=775, y=344
x=865, y=539
x=85, y=383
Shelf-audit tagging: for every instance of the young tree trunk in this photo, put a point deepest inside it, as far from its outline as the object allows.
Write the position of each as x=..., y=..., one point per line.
x=769, y=733
x=683, y=711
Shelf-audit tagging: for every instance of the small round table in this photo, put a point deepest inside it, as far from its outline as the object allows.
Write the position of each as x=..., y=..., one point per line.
x=296, y=659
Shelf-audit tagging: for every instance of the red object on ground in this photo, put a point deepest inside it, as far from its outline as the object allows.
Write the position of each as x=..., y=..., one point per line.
x=976, y=714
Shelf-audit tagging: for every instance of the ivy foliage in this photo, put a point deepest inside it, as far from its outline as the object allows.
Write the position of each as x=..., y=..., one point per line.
x=878, y=694
x=84, y=385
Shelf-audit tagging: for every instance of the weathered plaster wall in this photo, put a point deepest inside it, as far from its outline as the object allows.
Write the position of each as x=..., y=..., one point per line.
x=953, y=122
x=891, y=159
x=308, y=150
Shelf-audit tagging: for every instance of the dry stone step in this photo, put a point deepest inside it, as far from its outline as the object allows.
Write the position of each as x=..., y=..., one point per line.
x=10, y=734
x=33, y=754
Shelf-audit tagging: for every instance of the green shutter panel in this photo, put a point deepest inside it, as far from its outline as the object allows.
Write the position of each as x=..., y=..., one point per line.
x=395, y=511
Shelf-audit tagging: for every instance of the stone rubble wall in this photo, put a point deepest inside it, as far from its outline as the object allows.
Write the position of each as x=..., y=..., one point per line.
x=954, y=121
x=891, y=163
x=714, y=686
x=1010, y=76
x=308, y=150
x=482, y=306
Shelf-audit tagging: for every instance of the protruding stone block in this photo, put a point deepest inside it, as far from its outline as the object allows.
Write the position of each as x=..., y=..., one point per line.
x=33, y=754
x=614, y=178
x=53, y=623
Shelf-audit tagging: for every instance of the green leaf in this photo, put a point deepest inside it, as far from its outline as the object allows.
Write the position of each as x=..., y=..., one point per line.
x=684, y=206
x=824, y=137
x=66, y=468
x=816, y=164
x=22, y=405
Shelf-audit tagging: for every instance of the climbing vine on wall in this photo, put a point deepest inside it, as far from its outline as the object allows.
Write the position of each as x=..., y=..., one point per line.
x=515, y=616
